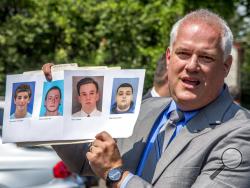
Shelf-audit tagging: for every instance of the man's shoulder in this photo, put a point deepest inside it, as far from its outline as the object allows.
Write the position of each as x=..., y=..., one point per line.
x=77, y=114
x=242, y=114
x=147, y=95
x=28, y=114
x=154, y=104
x=97, y=113
x=156, y=101
x=12, y=116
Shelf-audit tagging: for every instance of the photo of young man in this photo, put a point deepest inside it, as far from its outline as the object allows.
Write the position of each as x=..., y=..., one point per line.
x=124, y=99
x=124, y=95
x=53, y=101
x=21, y=100
x=88, y=97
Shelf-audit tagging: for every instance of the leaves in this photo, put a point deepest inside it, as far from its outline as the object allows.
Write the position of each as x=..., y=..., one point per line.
x=126, y=33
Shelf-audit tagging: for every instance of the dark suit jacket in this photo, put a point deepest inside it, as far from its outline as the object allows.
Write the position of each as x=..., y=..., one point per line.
x=195, y=153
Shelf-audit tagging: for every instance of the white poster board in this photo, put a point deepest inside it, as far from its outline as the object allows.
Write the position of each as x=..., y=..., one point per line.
x=75, y=105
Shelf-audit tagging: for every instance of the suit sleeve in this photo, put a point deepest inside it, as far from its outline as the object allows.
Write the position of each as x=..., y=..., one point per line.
x=74, y=156
x=233, y=150
x=138, y=182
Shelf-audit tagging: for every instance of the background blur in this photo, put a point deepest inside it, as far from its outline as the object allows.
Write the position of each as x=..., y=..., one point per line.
x=126, y=33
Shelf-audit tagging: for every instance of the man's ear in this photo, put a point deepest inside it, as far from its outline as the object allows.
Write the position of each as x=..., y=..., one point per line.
x=227, y=64
x=168, y=53
x=97, y=96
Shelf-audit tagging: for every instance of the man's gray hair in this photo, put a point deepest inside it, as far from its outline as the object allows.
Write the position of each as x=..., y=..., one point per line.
x=211, y=18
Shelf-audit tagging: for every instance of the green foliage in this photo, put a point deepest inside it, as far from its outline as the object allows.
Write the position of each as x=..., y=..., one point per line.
x=126, y=33
x=130, y=34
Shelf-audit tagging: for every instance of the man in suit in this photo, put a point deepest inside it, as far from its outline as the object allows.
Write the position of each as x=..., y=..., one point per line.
x=210, y=145
x=160, y=85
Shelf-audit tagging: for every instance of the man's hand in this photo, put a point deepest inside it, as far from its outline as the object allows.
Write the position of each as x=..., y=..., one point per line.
x=103, y=155
x=47, y=71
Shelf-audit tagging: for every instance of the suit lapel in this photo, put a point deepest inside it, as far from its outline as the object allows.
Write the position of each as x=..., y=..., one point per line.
x=133, y=147
x=145, y=124
x=204, y=121
x=179, y=143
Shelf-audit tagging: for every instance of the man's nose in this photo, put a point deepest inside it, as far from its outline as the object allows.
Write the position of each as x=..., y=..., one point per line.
x=22, y=101
x=193, y=64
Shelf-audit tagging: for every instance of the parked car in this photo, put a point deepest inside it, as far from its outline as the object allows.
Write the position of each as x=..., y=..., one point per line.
x=36, y=167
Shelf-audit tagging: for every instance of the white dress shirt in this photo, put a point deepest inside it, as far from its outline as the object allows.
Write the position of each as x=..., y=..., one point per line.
x=81, y=113
x=154, y=93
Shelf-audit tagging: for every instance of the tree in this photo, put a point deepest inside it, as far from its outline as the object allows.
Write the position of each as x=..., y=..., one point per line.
x=130, y=34
x=126, y=33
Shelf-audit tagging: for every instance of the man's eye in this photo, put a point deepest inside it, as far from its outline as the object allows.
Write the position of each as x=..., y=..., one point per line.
x=206, y=59
x=183, y=55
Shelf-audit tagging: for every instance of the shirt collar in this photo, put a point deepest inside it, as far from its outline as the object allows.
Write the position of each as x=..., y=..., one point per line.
x=188, y=115
x=154, y=93
x=91, y=114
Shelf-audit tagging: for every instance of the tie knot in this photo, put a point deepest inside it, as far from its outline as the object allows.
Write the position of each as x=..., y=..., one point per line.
x=176, y=116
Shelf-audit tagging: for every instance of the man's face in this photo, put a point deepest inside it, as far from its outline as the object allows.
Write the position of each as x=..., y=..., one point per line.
x=196, y=69
x=22, y=100
x=124, y=97
x=53, y=100
x=88, y=97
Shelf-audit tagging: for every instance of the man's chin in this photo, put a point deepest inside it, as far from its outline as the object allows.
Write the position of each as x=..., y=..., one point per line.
x=21, y=108
x=52, y=110
x=123, y=108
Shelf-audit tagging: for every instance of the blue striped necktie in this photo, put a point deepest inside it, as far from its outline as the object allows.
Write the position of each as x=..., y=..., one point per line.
x=170, y=129
x=162, y=140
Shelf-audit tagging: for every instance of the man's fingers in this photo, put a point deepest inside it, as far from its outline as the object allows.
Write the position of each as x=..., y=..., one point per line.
x=95, y=150
x=47, y=71
x=94, y=153
x=103, y=136
x=97, y=143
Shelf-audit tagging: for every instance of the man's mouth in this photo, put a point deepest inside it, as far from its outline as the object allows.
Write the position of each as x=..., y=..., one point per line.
x=190, y=81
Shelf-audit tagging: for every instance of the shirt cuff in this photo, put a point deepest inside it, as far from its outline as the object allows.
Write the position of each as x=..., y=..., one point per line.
x=126, y=180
